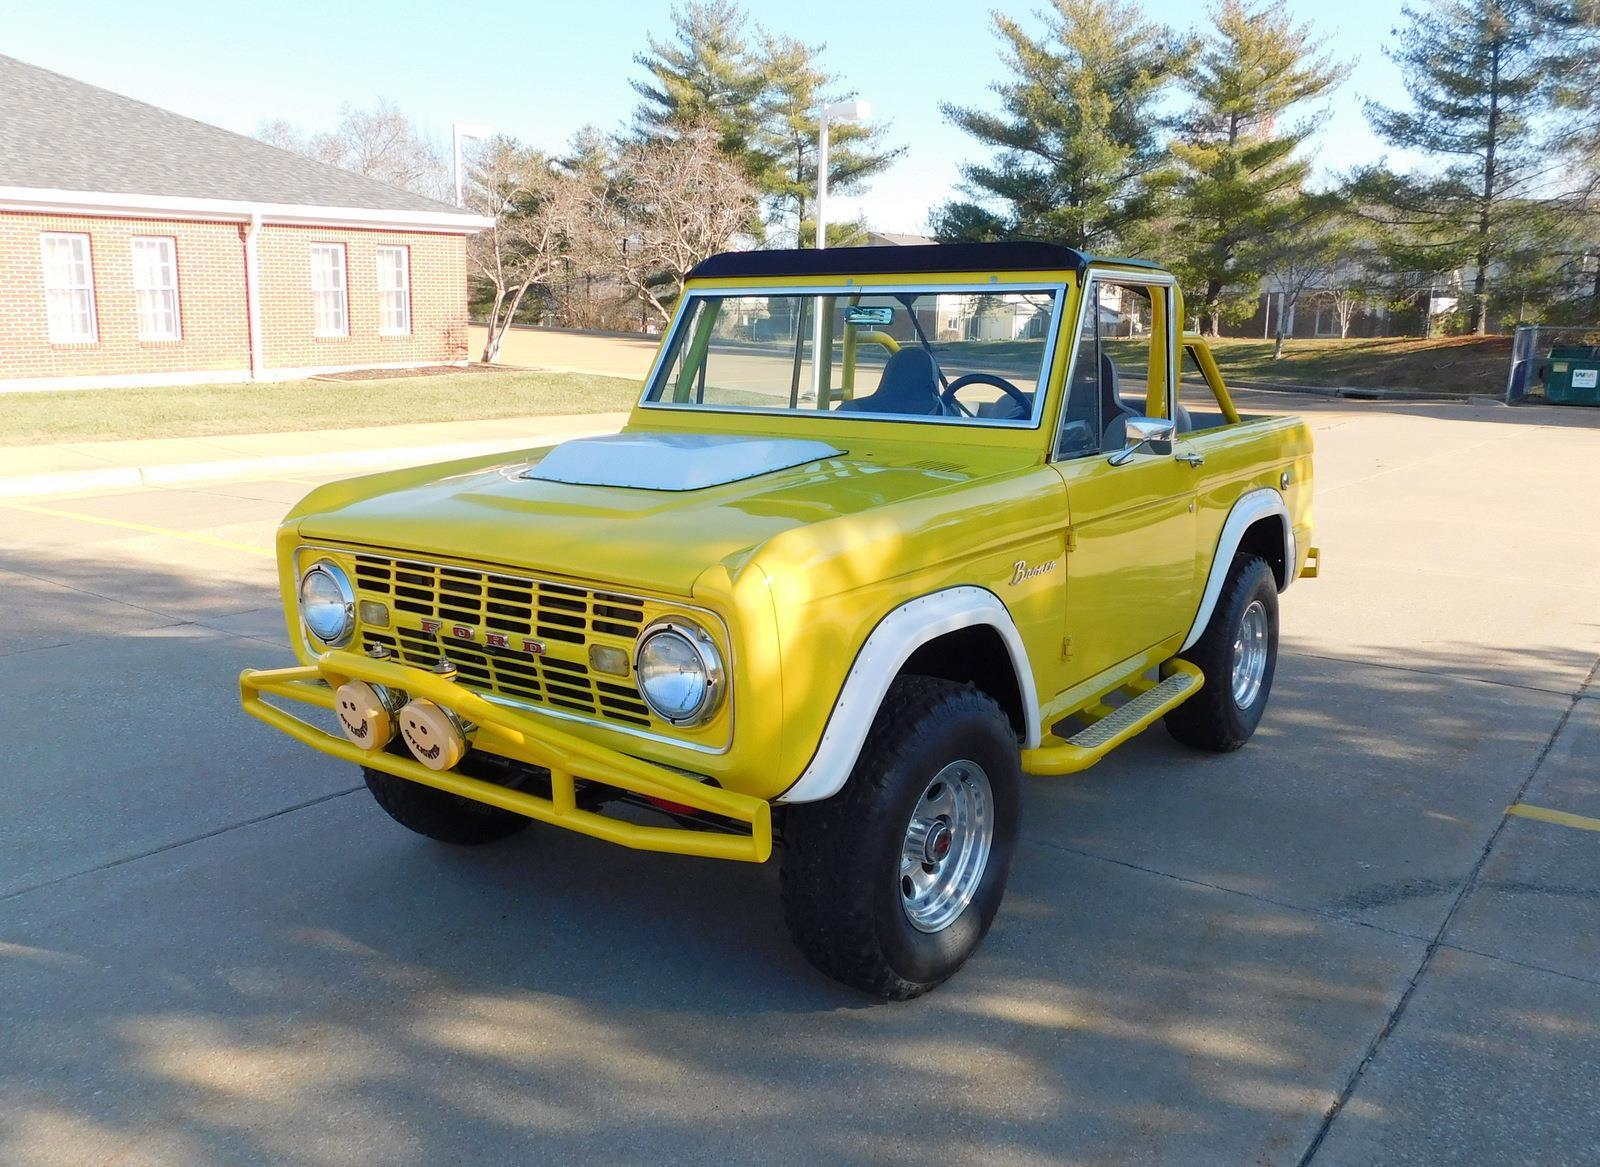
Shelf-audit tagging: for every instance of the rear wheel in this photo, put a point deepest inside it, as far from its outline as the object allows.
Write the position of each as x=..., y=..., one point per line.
x=439, y=814
x=890, y=885
x=1238, y=653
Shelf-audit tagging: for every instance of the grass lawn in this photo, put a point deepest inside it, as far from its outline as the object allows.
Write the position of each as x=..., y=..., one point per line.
x=79, y=415
x=1450, y=364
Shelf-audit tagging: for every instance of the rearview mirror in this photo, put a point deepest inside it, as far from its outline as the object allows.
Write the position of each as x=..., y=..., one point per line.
x=1141, y=430
x=869, y=317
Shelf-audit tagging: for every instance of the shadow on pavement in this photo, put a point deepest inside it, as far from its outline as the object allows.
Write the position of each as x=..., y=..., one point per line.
x=1194, y=955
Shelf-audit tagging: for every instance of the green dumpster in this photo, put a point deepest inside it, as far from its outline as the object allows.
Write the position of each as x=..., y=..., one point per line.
x=1572, y=375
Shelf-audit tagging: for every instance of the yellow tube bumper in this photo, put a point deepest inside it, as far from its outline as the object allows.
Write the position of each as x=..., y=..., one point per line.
x=511, y=734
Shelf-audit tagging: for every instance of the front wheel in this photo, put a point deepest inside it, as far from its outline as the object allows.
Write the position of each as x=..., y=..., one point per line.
x=890, y=885
x=1238, y=653
x=438, y=814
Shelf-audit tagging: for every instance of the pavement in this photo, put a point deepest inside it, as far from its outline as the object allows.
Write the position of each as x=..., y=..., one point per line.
x=1335, y=946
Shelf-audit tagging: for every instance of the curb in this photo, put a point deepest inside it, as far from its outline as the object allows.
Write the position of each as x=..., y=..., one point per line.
x=124, y=477
x=1349, y=392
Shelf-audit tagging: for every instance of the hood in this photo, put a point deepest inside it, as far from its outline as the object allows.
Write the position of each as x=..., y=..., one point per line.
x=673, y=461
x=652, y=511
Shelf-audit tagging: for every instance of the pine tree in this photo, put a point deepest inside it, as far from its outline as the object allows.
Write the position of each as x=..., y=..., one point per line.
x=796, y=89
x=1240, y=175
x=1477, y=72
x=1572, y=65
x=704, y=77
x=1077, y=138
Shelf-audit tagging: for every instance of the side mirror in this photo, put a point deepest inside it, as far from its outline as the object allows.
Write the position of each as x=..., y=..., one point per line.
x=1141, y=430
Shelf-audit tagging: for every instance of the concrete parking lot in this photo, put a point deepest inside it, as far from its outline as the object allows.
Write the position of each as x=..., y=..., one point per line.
x=1335, y=946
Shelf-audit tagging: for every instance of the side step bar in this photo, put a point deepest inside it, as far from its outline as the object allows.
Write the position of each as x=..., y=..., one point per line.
x=1083, y=749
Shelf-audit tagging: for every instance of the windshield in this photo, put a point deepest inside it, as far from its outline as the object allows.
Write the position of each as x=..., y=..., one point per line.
x=969, y=356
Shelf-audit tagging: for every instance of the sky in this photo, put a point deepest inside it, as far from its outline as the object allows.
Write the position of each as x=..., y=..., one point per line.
x=542, y=69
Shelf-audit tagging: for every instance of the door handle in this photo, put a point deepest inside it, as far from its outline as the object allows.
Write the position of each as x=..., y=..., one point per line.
x=1190, y=458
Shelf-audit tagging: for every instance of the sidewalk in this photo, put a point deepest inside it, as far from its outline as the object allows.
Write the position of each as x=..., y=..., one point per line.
x=75, y=466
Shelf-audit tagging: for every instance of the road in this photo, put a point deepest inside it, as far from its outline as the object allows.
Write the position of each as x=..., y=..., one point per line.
x=1335, y=946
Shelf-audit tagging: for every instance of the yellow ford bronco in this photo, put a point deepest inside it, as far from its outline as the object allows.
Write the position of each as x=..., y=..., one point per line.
x=888, y=528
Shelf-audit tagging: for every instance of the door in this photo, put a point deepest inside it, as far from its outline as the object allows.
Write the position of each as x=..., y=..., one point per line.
x=1132, y=559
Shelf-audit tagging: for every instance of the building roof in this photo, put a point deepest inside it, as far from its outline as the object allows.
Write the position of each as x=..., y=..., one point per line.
x=899, y=239
x=940, y=257
x=68, y=142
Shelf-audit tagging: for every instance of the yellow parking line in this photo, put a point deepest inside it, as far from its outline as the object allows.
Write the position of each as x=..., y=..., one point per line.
x=143, y=528
x=1559, y=817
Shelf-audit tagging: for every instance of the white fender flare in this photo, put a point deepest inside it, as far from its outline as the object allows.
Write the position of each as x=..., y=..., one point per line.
x=1257, y=504
x=886, y=650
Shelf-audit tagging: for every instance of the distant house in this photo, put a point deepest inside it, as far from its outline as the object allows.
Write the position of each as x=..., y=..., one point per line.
x=139, y=247
x=897, y=239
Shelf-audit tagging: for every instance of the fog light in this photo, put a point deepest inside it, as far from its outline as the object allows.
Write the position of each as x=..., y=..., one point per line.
x=605, y=659
x=435, y=736
x=367, y=713
x=374, y=613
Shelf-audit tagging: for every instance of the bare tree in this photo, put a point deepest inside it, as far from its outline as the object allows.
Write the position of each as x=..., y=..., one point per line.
x=325, y=147
x=537, y=211
x=1345, y=302
x=1312, y=247
x=669, y=205
x=380, y=143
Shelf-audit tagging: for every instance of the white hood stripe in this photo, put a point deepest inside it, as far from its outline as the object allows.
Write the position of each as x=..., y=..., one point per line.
x=660, y=461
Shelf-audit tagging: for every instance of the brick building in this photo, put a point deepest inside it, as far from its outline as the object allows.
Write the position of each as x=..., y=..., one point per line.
x=139, y=247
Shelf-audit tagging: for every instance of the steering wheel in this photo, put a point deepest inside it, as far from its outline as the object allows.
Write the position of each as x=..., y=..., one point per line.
x=954, y=407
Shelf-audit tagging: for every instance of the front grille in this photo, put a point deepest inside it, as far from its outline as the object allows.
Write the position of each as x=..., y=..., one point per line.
x=500, y=615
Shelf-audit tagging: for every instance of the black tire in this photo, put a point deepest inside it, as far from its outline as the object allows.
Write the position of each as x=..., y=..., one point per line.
x=840, y=868
x=439, y=814
x=1212, y=719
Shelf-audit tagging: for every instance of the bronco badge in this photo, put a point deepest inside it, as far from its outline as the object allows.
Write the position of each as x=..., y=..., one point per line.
x=1023, y=572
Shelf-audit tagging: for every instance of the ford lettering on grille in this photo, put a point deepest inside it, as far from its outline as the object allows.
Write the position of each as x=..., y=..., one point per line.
x=488, y=639
x=511, y=636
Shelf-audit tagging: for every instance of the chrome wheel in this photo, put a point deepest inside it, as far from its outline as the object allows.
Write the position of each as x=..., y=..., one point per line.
x=946, y=848
x=1250, y=655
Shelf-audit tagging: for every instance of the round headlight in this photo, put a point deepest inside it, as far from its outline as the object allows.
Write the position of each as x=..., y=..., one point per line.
x=679, y=671
x=328, y=604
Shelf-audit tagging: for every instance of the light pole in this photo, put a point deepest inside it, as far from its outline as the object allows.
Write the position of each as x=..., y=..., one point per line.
x=838, y=111
x=458, y=131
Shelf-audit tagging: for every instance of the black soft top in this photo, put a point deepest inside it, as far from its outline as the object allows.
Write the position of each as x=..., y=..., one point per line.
x=937, y=257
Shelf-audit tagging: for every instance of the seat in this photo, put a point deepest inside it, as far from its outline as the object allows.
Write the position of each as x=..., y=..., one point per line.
x=909, y=385
x=1114, y=412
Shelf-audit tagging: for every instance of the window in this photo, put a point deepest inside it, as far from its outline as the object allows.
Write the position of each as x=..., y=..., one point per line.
x=328, y=289
x=1121, y=339
x=68, y=288
x=1080, y=411
x=394, y=290
x=1327, y=321
x=956, y=354
x=155, y=287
